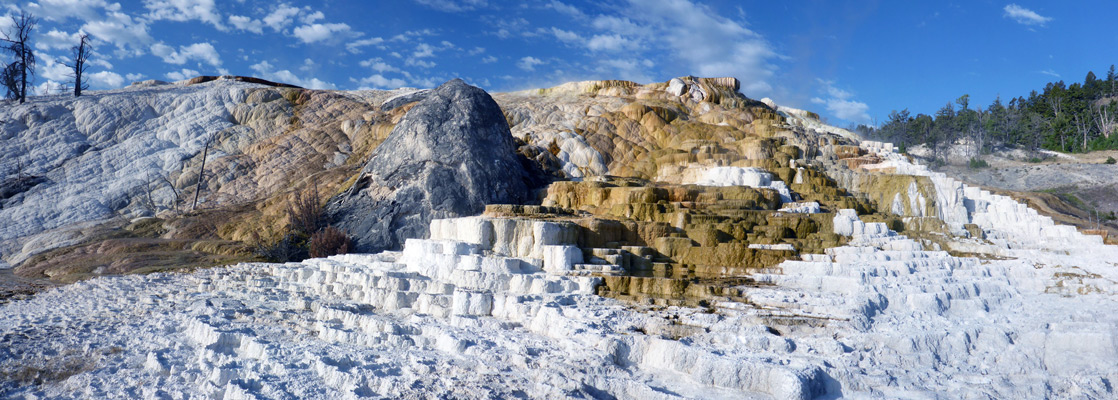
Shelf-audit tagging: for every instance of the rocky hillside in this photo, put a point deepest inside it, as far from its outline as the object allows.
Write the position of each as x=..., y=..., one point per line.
x=81, y=170
x=598, y=239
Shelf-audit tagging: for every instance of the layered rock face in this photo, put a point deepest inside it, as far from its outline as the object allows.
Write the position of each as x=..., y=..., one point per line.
x=450, y=156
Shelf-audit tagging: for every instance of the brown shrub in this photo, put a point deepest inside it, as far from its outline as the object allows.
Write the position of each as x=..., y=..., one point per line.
x=330, y=241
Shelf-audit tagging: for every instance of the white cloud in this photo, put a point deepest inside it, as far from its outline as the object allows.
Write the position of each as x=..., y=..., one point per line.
x=476, y=50
x=267, y=71
x=489, y=60
x=283, y=16
x=203, y=52
x=453, y=5
x=378, y=81
x=428, y=82
x=355, y=46
x=694, y=39
x=1024, y=15
x=415, y=62
x=134, y=77
x=1051, y=73
x=100, y=63
x=6, y=21
x=311, y=18
x=567, y=9
x=319, y=32
x=628, y=27
x=56, y=39
x=610, y=43
x=56, y=72
x=565, y=36
x=839, y=103
x=105, y=80
x=185, y=10
x=379, y=65
x=52, y=68
x=408, y=35
x=685, y=36
x=182, y=75
x=511, y=27
x=246, y=24
x=529, y=63
x=627, y=69
x=130, y=36
x=61, y=10
x=309, y=65
x=423, y=50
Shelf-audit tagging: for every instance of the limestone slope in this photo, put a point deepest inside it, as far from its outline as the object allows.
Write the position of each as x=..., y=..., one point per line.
x=109, y=157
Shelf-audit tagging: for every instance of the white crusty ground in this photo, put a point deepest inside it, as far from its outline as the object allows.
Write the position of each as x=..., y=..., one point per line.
x=878, y=318
x=370, y=326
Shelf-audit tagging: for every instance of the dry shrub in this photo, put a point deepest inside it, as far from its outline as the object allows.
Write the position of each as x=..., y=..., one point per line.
x=306, y=235
x=291, y=247
x=304, y=217
x=305, y=212
x=330, y=241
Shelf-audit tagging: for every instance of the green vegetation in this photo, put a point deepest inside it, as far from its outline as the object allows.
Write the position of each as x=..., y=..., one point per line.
x=1077, y=118
x=976, y=163
x=1111, y=160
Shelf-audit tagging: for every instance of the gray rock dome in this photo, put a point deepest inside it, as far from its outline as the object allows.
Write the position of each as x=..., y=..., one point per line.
x=448, y=157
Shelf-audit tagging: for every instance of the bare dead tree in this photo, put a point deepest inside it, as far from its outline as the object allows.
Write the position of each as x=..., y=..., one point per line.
x=18, y=43
x=81, y=54
x=175, y=201
x=1105, y=120
x=1083, y=127
x=201, y=172
x=150, y=185
x=1057, y=104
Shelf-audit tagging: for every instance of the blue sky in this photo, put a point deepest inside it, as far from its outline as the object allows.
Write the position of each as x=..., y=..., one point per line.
x=851, y=61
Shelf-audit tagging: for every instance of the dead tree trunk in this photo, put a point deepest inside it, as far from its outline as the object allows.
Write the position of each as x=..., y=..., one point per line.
x=18, y=44
x=201, y=174
x=1104, y=120
x=81, y=55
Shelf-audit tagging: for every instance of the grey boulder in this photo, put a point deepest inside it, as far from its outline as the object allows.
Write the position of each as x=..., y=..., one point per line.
x=448, y=157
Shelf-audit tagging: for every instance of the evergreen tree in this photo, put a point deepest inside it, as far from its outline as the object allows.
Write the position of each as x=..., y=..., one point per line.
x=1076, y=117
x=1090, y=83
x=1112, y=80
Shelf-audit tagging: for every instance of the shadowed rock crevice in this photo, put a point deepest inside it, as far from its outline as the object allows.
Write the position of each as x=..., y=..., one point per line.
x=450, y=156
